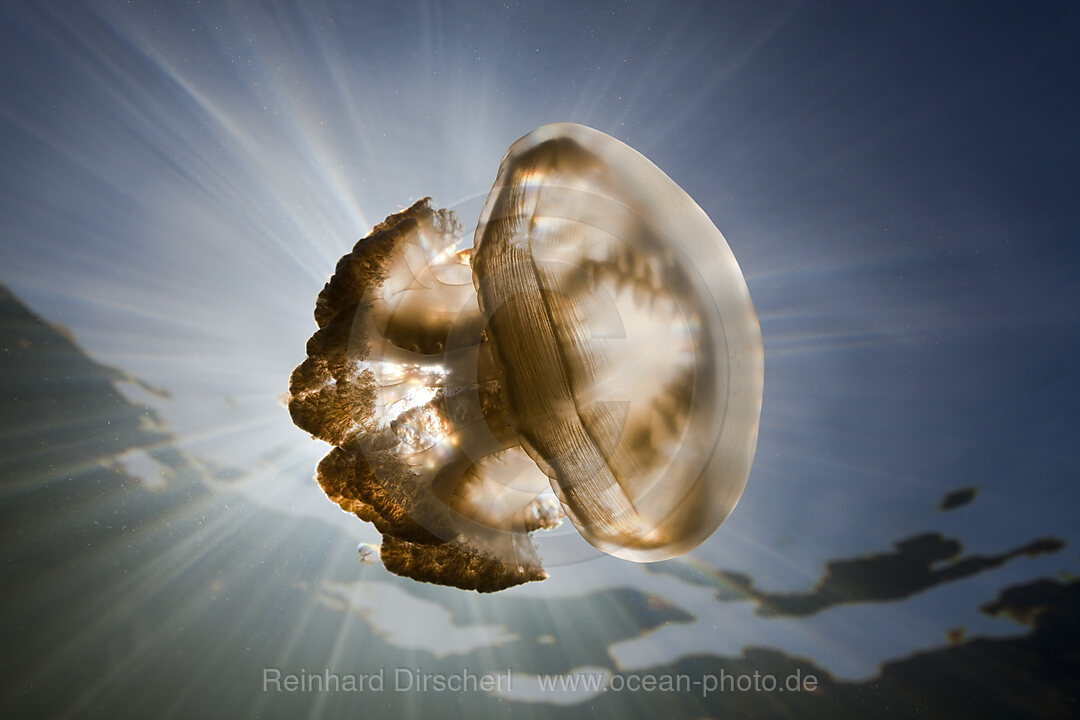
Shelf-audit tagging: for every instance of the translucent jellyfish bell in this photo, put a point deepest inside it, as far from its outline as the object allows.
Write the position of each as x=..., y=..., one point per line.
x=596, y=354
x=630, y=349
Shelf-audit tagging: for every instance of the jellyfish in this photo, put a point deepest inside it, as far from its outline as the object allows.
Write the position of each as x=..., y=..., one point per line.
x=594, y=356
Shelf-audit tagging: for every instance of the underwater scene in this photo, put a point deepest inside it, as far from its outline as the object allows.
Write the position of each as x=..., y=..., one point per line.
x=615, y=359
